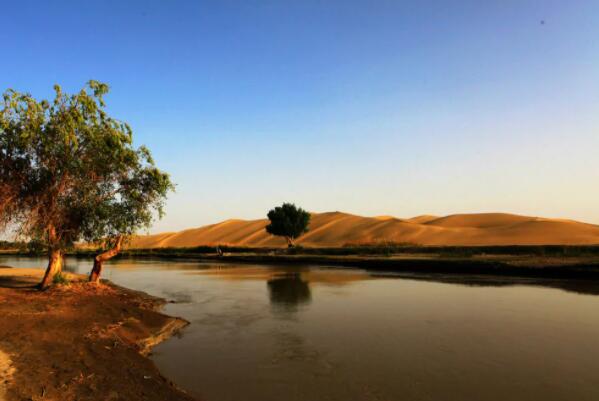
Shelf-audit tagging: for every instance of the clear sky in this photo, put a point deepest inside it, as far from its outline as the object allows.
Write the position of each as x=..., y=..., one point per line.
x=369, y=107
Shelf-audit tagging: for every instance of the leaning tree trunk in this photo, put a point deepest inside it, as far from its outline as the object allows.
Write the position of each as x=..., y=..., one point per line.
x=99, y=260
x=54, y=267
x=290, y=243
x=54, y=259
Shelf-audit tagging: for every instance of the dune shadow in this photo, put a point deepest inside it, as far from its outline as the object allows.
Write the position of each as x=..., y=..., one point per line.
x=578, y=286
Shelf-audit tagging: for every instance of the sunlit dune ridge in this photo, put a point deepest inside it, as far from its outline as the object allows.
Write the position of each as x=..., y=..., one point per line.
x=338, y=229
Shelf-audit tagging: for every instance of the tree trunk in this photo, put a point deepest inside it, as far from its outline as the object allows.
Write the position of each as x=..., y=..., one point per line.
x=54, y=267
x=99, y=260
x=54, y=259
x=290, y=243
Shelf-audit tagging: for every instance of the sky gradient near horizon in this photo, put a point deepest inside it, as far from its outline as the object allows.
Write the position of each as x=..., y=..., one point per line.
x=368, y=107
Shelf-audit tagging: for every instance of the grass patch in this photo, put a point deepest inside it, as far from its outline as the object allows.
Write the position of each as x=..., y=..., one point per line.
x=61, y=279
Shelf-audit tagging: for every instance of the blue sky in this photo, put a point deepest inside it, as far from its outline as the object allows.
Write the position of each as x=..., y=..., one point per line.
x=369, y=107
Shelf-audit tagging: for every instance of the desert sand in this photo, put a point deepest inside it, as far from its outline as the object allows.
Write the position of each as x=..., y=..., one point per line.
x=5, y=373
x=337, y=229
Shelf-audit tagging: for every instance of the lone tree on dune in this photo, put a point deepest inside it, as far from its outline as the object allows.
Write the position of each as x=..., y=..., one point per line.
x=288, y=221
x=73, y=174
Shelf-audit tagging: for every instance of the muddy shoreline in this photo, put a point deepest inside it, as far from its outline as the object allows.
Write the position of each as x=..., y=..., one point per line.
x=81, y=341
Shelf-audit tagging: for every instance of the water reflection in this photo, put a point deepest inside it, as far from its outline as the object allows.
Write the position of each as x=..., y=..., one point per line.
x=334, y=276
x=314, y=333
x=578, y=286
x=288, y=292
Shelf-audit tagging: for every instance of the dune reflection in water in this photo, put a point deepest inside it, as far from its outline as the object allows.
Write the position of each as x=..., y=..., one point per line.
x=312, y=333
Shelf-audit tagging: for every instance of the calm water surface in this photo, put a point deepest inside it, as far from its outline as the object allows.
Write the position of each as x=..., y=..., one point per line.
x=314, y=333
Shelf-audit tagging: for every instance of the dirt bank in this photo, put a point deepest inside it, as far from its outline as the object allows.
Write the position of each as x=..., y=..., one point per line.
x=80, y=342
x=6, y=371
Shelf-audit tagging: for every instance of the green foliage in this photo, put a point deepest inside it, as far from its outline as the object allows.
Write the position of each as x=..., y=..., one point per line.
x=72, y=172
x=36, y=247
x=11, y=245
x=61, y=279
x=288, y=221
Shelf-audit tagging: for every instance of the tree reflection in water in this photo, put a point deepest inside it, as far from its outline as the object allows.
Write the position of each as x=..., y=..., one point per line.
x=288, y=292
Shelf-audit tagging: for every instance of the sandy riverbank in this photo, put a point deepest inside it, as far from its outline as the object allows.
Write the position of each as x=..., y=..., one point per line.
x=82, y=341
x=6, y=371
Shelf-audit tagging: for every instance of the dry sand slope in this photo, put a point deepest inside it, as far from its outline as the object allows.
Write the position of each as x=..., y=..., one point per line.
x=337, y=229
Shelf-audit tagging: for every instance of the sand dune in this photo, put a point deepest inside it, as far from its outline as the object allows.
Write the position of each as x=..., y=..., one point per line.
x=338, y=229
x=424, y=218
x=479, y=220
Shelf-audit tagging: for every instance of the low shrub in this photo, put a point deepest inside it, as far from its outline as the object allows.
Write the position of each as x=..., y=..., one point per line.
x=61, y=279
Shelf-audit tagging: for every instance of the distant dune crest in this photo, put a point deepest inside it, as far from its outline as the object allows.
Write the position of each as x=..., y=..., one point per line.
x=337, y=229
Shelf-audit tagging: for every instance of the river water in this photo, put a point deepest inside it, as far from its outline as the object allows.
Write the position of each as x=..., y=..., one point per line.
x=310, y=333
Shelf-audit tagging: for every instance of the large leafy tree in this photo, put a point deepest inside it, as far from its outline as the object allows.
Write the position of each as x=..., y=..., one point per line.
x=288, y=221
x=128, y=199
x=73, y=174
